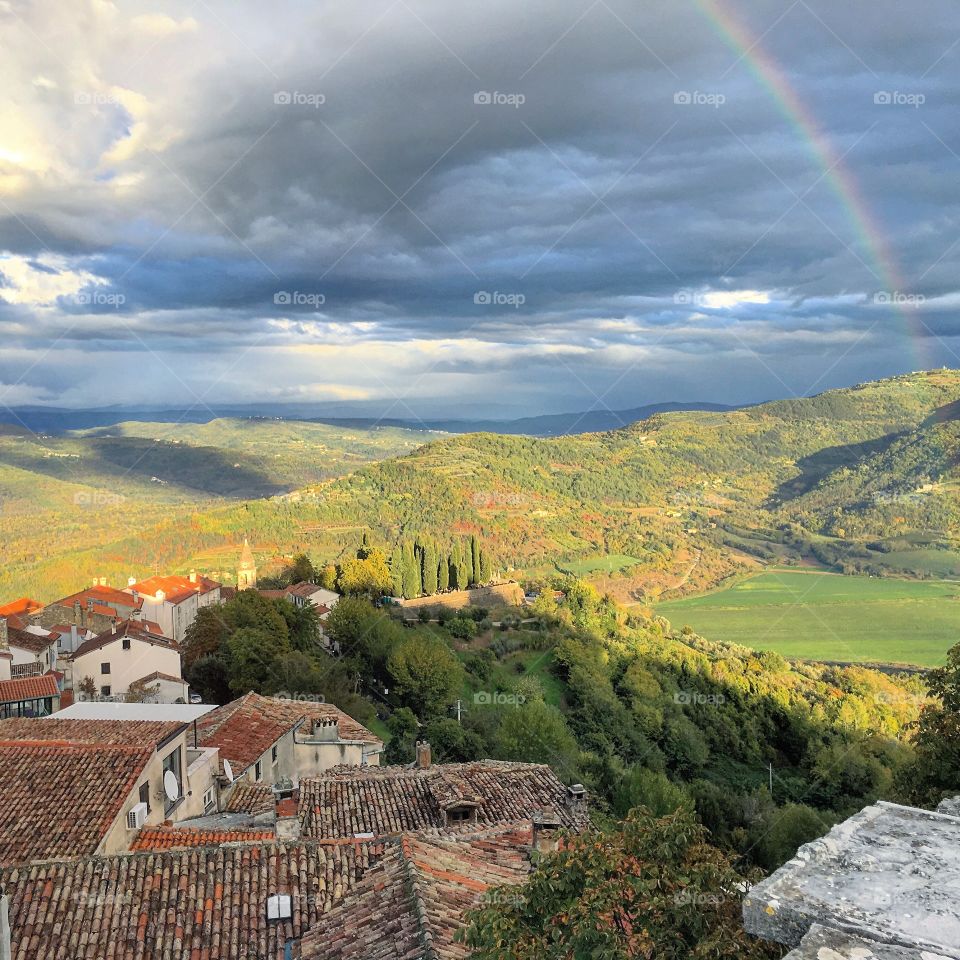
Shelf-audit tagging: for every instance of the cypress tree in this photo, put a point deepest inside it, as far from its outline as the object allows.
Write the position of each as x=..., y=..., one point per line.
x=429, y=569
x=396, y=570
x=411, y=573
x=484, y=566
x=443, y=572
x=474, y=560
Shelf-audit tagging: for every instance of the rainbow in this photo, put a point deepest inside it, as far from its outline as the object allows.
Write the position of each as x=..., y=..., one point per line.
x=774, y=79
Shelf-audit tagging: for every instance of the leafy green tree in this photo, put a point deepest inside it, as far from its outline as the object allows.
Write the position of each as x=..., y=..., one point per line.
x=396, y=571
x=404, y=728
x=303, y=625
x=653, y=888
x=935, y=772
x=537, y=733
x=485, y=572
x=210, y=678
x=205, y=636
x=463, y=628
x=452, y=743
x=650, y=789
x=459, y=567
x=426, y=673
x=369, y=575
x=250, y=655
x=778, y=838
x=328, y=577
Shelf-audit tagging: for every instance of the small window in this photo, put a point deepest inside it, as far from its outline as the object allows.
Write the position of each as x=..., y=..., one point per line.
x=126, y=643
x=105, y=691
x=104, y=668
x=258, y=770
x=209, y=801
x=145, y=794
x=273, y=754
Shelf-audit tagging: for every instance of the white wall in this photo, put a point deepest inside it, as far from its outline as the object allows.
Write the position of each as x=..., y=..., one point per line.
x=126, y=666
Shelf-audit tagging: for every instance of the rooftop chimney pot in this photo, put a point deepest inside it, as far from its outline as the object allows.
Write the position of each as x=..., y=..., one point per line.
x=423, y=754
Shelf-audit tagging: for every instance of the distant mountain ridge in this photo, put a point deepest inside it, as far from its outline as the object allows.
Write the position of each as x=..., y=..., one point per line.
x=55, y=421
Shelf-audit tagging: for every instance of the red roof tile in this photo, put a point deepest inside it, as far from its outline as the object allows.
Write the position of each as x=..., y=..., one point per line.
x=246, y=728
x=22, y=607
x=131, y=733
x=175, y=589
x=250, y=798
x=26, y=640
x=107, y=596
x=129, y=628
x=60, y=799
x=28, y=688
x=172, y=838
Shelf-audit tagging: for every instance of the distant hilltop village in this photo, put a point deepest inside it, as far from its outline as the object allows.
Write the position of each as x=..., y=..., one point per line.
x=113, y=644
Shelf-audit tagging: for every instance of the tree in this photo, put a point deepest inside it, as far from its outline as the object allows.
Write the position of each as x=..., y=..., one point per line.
x=250, y=654
x=652, y=888
x=396, y=571
x=459, y=567
x=452, y=743
x=426, y=673
x=650, y=789
x=935, y=773
x=443, y=572
x=429, y=561
x=369, y=575
x=537, y=733
x=485, y=574
x=403, y=727
x=328, y=577
x=210, y=678
x=205, y=636
x=412, y=581
x=303, y=625
x=475, y=575
x=301, y=570
x=778, y=838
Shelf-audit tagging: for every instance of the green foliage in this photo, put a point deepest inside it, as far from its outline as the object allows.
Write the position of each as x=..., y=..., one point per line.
x=778, y=838
x=426, y=673
x=537, y=733
x=403, y=727
x=250, y=654
x=650, y=789
x=652, y=888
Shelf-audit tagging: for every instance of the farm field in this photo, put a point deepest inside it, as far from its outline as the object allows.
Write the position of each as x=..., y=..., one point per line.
x=607, y=563
x=824, y=616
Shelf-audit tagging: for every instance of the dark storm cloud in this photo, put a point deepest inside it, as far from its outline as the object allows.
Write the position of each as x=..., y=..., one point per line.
x=349, y=154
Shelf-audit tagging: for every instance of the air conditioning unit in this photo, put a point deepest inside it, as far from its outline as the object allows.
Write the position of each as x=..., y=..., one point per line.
x=136, y=816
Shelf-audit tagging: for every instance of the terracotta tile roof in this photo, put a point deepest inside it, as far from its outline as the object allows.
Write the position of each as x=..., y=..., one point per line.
x=135, y=629
x=22, y=607
x=172, y=838
x=26, y=640
x=59, y=799
x=389, y=800
x=250, y=798
x=411, y=905
x=157, y=675
x=201, y=903
x=175, y=589
x=246, y=728
x=106, y=596
x=131, y=733
x=29, y=688
x=305, y=590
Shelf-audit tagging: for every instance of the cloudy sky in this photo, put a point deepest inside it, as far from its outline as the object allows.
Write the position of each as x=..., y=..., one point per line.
x=418, y=206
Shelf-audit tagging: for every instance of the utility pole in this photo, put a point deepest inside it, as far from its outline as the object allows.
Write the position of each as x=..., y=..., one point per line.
x=771, y=781
x=459, y=720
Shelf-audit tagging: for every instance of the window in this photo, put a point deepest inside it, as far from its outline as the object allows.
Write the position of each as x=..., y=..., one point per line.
x=126, y=643
x=105, y=690
x=104, y=667
x=172, y=763
x=258, y=770
x=273, y=754
x=209, y=801
x=145, y=794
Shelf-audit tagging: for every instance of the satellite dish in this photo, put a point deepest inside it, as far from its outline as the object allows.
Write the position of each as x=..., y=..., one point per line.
x=228, y=770
x=170, y=786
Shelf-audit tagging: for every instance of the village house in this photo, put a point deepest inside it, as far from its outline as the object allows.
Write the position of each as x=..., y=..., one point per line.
x=94, y=608
x=173, y=601
x=129, y=654
x=270, y=740
x=386, y=801
x=301, y=594
x=34, y=651
x=88, y=786
x=24, y=692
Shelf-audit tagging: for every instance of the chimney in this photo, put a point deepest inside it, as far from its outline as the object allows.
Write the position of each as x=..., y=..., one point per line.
x=193, y=576
x=4, y=636
x=131, y=581
x=327, y=731
x=577, y=799
x=423, y=755
x=103, y=581
x=288, y=819
x=546, y=832
x=6, y=946
x=96, y=581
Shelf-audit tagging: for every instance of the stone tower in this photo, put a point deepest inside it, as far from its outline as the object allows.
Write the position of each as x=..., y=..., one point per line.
x=247, y=572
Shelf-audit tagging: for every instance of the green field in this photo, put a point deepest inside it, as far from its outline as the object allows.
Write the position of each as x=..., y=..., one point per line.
x=605, y=563
x=823, y=616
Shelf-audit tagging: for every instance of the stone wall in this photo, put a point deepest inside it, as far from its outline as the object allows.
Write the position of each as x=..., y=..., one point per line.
x=495, y=595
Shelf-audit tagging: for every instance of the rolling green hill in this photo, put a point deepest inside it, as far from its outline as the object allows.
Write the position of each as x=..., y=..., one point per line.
x=857, y=479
